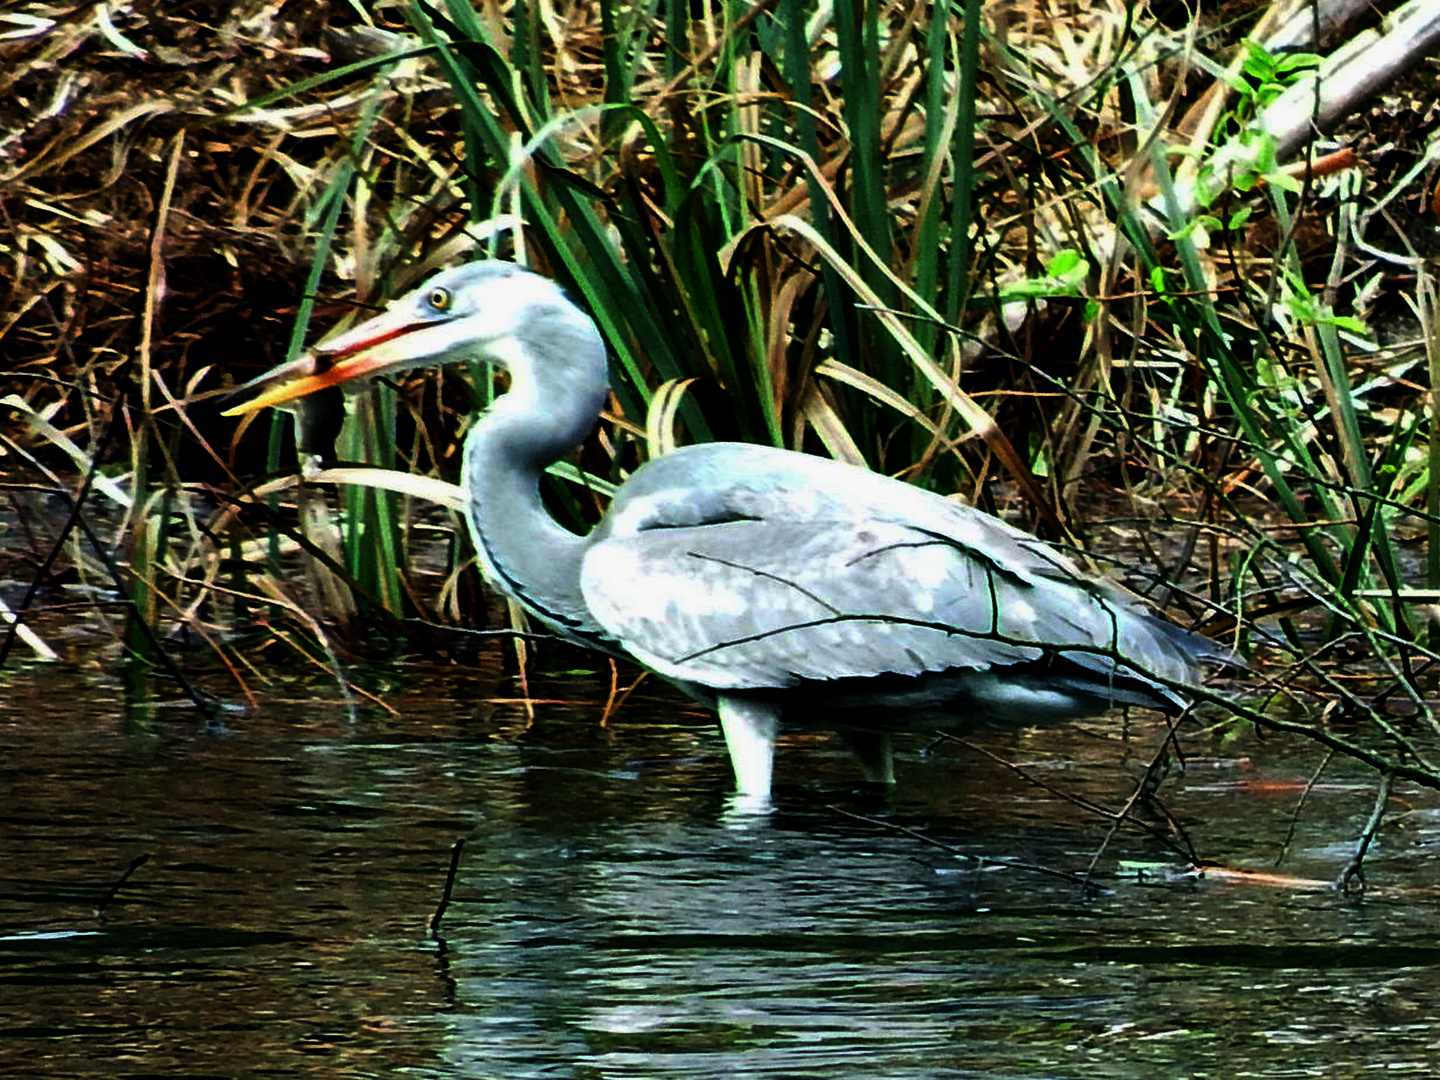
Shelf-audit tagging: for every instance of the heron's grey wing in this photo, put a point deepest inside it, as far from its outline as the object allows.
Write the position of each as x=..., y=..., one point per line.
x=745, y=566
x=763, y=603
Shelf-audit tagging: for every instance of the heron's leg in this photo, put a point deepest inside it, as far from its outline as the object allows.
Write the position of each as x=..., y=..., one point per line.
x=749, y=726
x=873, y=750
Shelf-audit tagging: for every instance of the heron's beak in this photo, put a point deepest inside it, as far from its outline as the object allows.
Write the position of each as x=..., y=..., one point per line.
x=358, y=353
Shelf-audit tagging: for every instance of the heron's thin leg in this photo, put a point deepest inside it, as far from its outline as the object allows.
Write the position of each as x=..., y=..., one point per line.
x=872, y=750
x=749, y=728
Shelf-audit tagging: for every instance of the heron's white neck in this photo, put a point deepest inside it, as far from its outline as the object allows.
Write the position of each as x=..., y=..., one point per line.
x=558, y=385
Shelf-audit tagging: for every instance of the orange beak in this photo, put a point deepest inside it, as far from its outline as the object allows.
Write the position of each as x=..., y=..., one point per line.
x=355, y=354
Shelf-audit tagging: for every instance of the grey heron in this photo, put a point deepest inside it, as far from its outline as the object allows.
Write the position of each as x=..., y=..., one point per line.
x=773, y=586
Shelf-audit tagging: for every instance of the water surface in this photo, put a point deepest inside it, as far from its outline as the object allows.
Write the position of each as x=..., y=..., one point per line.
x=612, y=919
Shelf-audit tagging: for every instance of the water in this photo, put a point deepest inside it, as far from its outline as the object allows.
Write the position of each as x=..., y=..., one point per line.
x=613, y=920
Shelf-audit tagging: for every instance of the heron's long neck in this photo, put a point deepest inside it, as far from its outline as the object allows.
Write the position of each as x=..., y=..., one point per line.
x=526, y=553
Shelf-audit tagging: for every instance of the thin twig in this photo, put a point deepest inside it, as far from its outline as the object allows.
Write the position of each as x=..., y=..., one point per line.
x=1300, y=806
x=1145, y=788
x=201, y=701
x=449, y=887
x=43, y=570
x=978, y=860
x=1071, y=797
x=135, y=864
x=1354, y=872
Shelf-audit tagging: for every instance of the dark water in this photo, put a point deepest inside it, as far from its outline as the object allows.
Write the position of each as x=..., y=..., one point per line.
x=611, y=920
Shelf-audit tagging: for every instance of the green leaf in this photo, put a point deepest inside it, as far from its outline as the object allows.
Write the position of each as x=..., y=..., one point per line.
x=1289, y=63
x=1066, y=263
x=1347, y=322
x=1285, y=182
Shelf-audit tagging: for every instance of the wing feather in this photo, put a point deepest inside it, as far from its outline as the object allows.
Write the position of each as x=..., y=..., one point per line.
x=739, y=567
x=761, y=604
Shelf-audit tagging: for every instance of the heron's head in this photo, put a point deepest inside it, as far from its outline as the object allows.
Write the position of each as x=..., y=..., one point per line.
x=489, y=310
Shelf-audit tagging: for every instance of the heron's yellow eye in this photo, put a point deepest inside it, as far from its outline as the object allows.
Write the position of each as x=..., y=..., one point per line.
x=439, y=299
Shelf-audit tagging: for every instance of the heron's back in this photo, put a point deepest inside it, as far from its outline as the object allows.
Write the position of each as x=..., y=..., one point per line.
x=742, y=569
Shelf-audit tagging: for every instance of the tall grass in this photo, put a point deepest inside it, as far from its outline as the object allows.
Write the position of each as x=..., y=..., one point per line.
x=780, y=213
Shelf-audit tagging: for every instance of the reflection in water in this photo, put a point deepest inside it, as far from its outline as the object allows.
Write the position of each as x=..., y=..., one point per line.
x=611, y=920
